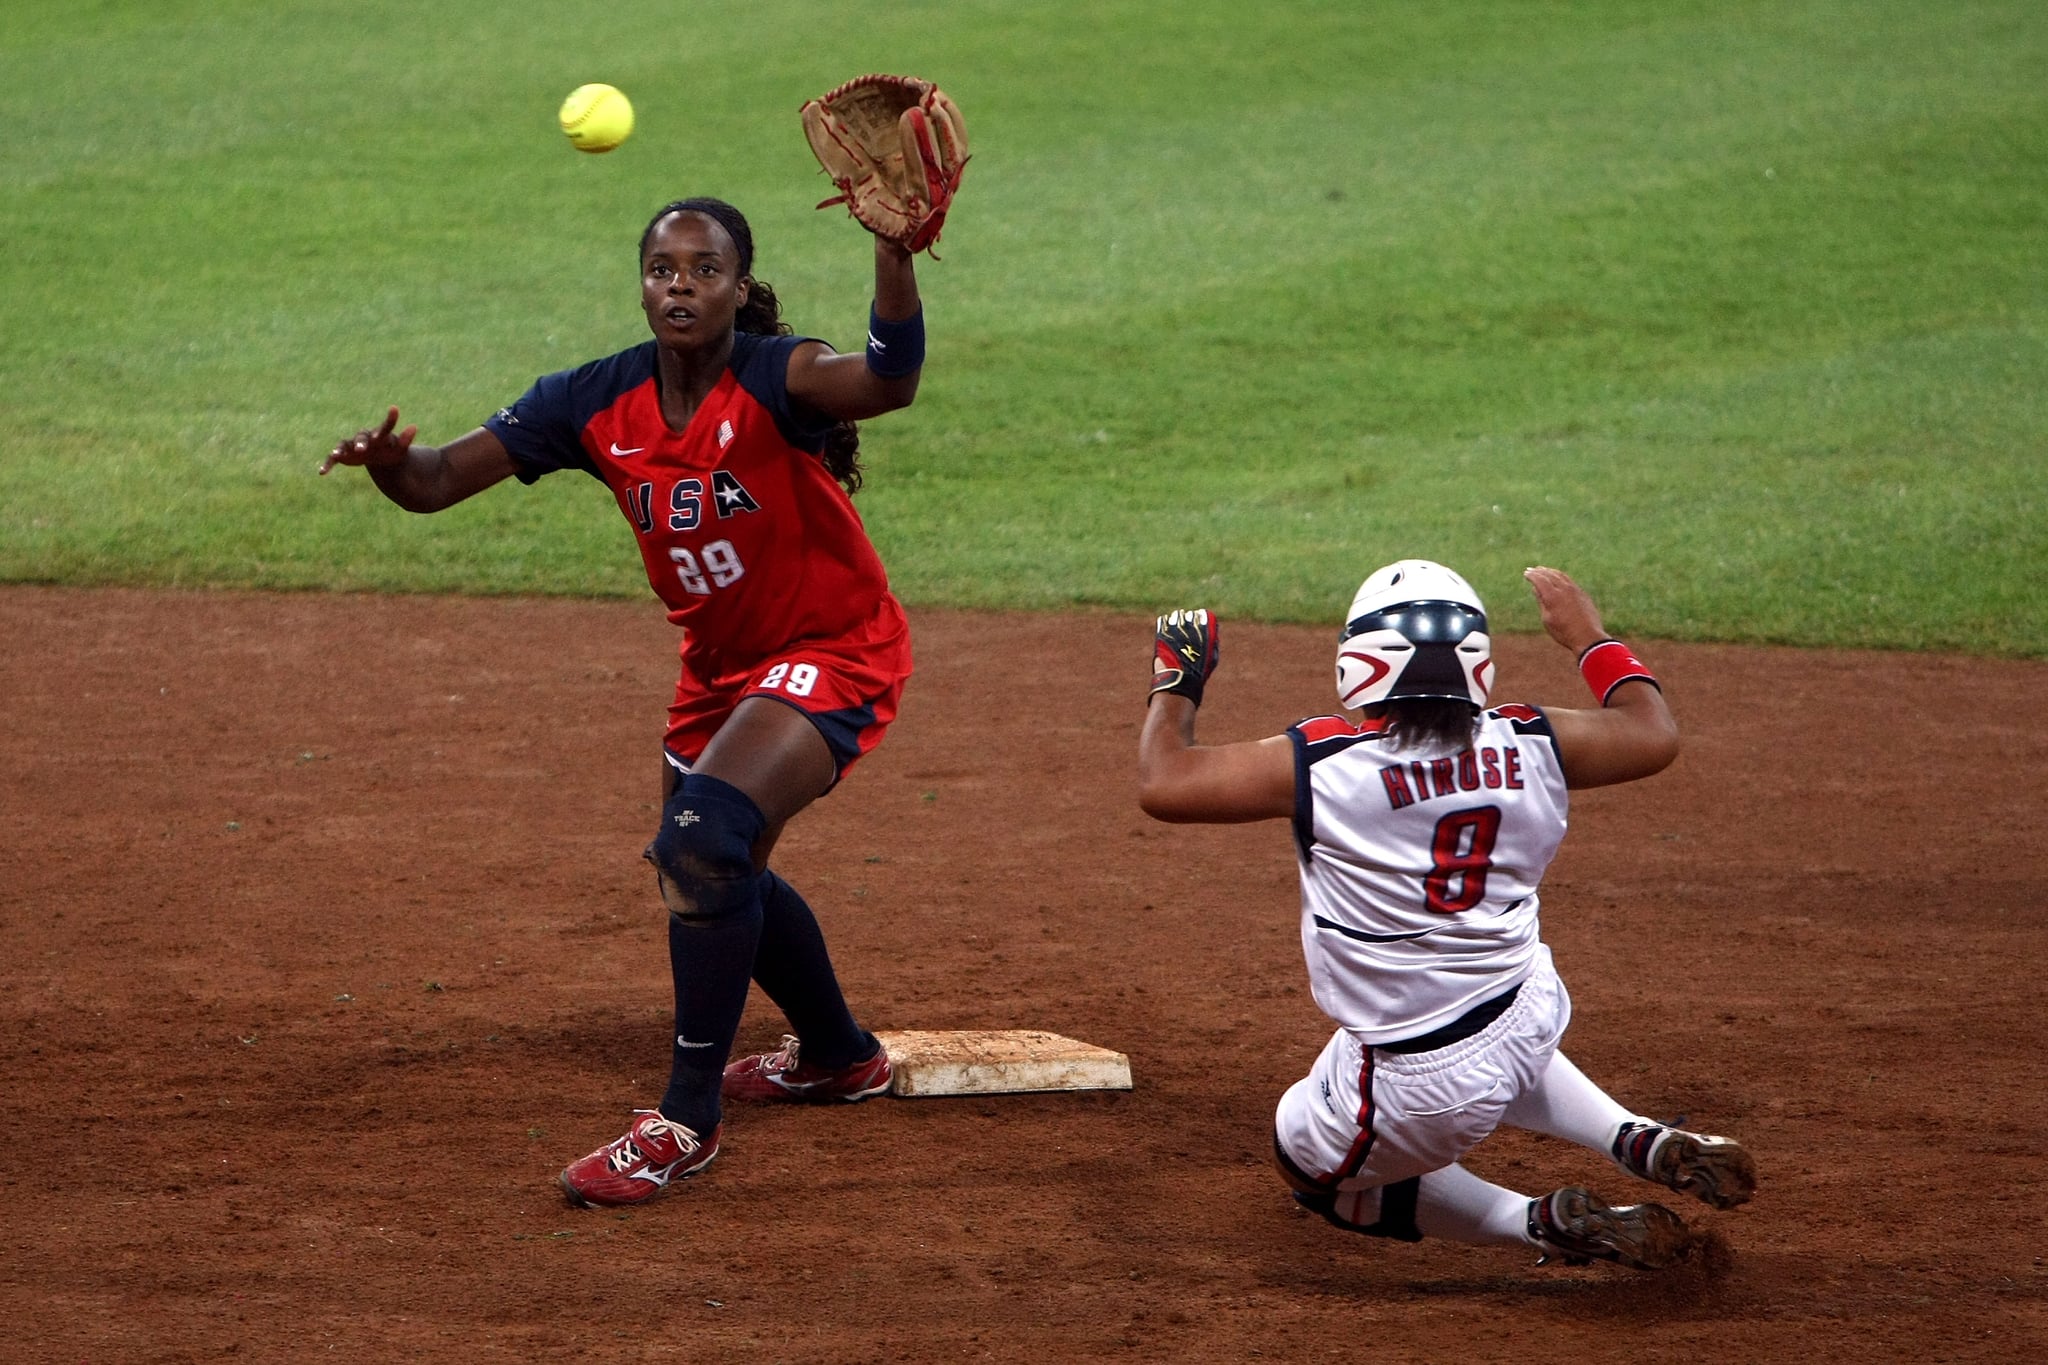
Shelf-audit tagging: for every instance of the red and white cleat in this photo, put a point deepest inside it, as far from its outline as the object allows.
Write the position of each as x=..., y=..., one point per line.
x=654, y=1153
x=780, y=1075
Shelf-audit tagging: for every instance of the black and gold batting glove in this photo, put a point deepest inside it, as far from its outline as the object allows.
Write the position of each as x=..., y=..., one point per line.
x=1185, y=649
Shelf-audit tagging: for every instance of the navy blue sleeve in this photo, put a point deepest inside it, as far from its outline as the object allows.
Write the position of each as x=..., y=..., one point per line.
x=1304, y=822
x=536, y=430
x=761, y=364
x=543, y=430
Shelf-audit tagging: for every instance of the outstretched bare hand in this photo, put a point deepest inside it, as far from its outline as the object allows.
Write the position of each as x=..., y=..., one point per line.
x=1568, y=612
x=373, y=448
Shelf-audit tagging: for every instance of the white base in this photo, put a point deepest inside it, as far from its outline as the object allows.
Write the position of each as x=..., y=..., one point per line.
x=999, y=1062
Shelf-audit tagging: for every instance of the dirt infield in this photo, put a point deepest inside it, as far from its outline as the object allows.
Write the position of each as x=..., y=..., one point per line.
x=327, y=943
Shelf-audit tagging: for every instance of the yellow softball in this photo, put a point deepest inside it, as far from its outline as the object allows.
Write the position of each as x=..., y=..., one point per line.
x=596, y=117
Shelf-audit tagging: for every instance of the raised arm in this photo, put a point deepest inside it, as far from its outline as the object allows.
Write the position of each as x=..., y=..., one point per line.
x=1633, y=734
x=883, y=376
x=423, y=478
x=1184, y=782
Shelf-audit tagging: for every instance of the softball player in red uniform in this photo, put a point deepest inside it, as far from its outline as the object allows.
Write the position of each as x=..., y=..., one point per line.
x=730, y=447
x=1422, y=830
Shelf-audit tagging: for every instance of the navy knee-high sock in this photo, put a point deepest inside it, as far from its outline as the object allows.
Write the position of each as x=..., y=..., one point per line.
x=710, y=962
x=795, y=970
x=703, y=854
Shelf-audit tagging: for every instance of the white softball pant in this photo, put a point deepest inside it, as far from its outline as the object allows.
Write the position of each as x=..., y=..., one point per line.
x=1364, y=1118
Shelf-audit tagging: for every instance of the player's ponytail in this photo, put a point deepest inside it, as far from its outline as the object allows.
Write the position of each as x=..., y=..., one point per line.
x=841, y=455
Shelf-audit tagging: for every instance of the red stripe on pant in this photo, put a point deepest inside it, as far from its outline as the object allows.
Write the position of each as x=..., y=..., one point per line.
x=1361, y=1146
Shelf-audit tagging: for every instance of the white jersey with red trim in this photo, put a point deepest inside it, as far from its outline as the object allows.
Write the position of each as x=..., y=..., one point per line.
x=1419, y=868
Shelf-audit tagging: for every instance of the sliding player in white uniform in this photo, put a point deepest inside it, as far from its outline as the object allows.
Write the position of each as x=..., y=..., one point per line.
x=1422, y=831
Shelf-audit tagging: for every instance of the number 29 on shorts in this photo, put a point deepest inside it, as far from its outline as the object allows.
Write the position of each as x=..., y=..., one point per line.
x=795, y=679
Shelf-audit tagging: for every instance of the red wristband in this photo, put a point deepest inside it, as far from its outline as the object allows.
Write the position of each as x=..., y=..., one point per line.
x=1607, y=664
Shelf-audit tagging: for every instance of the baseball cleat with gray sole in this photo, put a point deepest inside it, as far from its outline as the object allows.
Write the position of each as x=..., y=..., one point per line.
x=1578, y=1227
x=1714, y=1170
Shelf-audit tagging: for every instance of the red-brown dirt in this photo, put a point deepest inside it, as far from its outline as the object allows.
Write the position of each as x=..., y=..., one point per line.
x=327, y=943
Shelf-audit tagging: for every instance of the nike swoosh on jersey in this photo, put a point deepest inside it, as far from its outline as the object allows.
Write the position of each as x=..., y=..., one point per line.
x=617, y=451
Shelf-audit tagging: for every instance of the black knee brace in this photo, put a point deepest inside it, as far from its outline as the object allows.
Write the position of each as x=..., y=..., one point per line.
x=1397, y=1211
x=703, y=855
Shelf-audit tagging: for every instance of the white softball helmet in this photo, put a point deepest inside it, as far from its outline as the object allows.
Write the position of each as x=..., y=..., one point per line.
x=1416, y=629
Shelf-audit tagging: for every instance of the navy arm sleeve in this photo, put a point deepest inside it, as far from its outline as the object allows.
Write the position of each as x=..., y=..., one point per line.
x=538, y=430
x=761, y=363
x=543, y=431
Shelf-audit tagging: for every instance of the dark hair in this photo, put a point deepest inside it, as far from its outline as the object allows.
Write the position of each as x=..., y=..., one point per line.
x=1428, y=722
x=761, y=315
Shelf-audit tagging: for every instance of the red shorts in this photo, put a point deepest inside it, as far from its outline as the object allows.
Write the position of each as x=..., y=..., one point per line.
x=849, y=687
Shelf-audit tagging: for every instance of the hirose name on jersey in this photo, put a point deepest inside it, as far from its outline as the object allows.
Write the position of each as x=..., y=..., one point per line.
x=1419, y=869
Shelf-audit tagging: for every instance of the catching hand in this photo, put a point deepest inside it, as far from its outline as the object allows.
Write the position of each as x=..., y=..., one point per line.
x=1185, y=650
x=373, y=448
x=896, y=147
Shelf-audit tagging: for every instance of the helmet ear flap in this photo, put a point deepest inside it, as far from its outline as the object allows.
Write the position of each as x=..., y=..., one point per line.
x=1476, y=654
x=1369, y=665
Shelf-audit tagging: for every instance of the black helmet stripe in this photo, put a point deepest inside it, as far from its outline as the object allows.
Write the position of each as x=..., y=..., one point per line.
x=1422, y=623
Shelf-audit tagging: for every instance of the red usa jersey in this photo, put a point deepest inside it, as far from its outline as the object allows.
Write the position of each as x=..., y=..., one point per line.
x=1419, y=868
x=747, y=539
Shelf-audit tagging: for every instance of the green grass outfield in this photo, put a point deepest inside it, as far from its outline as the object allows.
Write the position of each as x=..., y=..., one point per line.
x=1739, y=311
